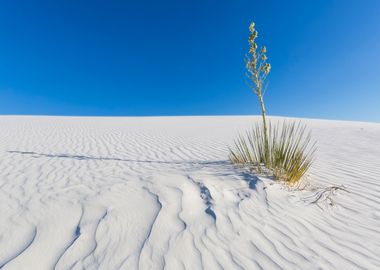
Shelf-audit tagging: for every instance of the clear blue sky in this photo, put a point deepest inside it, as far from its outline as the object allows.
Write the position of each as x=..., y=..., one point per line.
x=187, y=57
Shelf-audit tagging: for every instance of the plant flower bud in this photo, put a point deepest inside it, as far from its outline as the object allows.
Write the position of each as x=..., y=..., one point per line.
x=252, y=27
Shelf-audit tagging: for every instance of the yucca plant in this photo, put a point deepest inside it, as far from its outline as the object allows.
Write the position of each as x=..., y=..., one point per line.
x=289, y=155
x=284, y=151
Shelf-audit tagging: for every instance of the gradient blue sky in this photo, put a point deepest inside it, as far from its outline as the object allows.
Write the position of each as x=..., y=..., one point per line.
x=187, y=57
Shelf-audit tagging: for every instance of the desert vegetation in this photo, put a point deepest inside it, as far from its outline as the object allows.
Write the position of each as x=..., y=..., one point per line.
x=284, y=150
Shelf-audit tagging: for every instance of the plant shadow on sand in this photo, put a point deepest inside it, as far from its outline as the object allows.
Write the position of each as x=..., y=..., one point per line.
x=219, y=167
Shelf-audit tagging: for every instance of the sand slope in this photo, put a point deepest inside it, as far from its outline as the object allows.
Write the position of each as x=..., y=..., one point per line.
x=158, y=193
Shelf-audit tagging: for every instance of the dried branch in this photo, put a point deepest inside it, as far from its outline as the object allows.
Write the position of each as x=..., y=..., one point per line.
x=324, y=195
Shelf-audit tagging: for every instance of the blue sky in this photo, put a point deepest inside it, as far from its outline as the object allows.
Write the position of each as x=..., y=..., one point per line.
x=187, y=57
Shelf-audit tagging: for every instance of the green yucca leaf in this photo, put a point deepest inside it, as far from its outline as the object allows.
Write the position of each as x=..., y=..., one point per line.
x=288, y=156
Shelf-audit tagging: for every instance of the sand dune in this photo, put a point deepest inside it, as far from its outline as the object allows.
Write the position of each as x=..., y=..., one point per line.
x=159, y=193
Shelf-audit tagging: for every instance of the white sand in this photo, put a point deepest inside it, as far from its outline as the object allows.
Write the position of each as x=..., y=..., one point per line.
x=154, y=193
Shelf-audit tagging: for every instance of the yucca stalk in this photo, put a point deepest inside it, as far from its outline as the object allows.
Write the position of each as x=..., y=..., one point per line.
x=257, y=71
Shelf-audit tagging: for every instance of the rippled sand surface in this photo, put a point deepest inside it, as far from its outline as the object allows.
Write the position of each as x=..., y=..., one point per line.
x=159, y=193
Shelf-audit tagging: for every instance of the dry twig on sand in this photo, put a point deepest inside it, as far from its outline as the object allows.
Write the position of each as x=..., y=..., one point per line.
x=324, y=195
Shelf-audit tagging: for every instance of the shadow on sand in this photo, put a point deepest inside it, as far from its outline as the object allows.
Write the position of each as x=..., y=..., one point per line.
x=219, y=167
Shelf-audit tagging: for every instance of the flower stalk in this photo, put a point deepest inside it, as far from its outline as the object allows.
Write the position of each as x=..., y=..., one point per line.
x=258, y=69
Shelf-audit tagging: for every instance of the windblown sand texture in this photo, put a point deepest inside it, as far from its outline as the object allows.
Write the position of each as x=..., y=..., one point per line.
x=159, y=193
